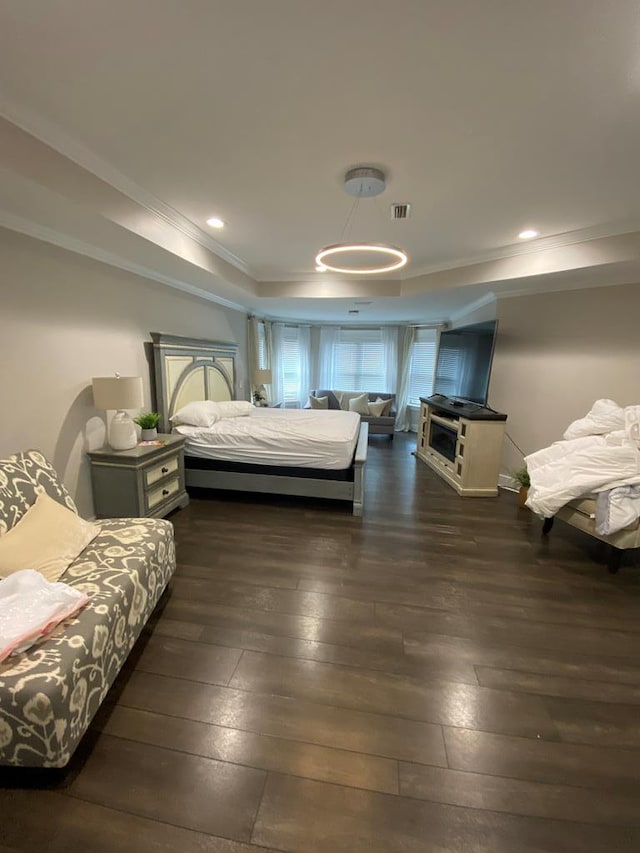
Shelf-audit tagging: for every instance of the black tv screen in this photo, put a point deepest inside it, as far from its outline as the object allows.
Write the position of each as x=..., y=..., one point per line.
x=464, y=361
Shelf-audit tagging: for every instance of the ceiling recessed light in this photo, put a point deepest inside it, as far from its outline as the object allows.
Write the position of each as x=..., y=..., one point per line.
x=215, y=222
x=528, y=234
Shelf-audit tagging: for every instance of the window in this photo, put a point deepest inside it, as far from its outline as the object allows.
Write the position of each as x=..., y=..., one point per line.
x=359, y=361
x=262, y=347
x=290, y=364
x=291, y=361
x=422, y=365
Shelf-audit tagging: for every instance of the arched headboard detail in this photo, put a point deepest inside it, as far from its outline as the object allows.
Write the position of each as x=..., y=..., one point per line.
x=188, y=369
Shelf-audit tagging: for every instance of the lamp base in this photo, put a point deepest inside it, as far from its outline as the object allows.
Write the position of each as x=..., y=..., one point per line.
x=122, y=432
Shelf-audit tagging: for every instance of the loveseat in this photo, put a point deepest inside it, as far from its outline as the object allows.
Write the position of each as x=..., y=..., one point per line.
x=378, y=424
x=50, y=693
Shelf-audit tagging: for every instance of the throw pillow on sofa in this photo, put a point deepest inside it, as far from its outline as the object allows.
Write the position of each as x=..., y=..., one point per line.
x=318, y=402
x=47, y=538
x=359, y=404
x=377, y=409
x=386, y=412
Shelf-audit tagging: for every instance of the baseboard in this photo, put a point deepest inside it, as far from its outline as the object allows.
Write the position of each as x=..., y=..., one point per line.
x=505, y=481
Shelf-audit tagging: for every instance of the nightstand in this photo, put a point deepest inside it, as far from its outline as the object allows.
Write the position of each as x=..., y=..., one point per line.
x=144, y=481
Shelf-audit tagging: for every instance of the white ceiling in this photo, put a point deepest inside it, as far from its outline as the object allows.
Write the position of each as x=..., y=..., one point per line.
x=488, y=117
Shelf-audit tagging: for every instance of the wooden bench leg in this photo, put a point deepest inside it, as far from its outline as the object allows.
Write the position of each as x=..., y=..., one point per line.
x=547, y=525
x=615, y=559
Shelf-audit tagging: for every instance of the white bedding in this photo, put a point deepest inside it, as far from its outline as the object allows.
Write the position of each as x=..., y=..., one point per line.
x=593, y=459
x=302, y=438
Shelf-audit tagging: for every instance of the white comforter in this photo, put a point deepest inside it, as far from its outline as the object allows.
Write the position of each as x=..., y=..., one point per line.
x=602, y=452
x=302, y=438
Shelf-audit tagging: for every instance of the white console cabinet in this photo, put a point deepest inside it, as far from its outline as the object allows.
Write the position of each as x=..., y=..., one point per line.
x=463, y=444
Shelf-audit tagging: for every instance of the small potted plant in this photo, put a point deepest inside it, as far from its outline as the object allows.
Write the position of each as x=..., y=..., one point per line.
x=148, y=423
x=521, y=476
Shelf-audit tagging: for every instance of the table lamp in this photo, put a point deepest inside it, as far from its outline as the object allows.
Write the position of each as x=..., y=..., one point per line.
x=260, y=379
x=119, y=393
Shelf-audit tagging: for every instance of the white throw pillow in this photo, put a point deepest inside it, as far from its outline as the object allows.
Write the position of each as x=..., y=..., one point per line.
x=200, y=413
x=359, y=404
x=377, y=409
x=387, y=405
x=318, y=402
x=47, y=538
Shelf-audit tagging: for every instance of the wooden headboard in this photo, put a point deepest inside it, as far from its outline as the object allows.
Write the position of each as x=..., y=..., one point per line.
x=188, y=369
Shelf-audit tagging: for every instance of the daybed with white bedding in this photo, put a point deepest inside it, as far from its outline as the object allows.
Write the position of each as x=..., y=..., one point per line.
x=50, y=692
x=590, y=479
x=274, y=451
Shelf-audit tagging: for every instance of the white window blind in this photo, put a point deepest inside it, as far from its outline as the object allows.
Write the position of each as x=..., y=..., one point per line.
x=422, y=365
x=291, y=361
x=262, y=347
x=359, y=360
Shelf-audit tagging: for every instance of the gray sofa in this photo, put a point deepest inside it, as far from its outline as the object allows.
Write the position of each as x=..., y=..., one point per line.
x=377, y=425
x=50, y=693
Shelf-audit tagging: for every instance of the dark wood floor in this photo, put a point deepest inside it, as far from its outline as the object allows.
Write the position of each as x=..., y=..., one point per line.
x=432, y=677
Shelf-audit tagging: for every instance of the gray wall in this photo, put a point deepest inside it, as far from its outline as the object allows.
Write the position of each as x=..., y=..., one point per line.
x=557, y=353
x=65, y=319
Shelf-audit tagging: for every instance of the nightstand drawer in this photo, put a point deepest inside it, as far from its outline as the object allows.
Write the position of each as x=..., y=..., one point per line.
x=158, y=472
x=162, y=493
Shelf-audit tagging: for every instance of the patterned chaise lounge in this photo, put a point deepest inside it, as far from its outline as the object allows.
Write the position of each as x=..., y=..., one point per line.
x=50, y=693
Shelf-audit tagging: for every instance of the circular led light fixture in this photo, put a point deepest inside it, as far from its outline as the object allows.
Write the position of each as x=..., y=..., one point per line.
x=215, y=222
x=528, y=234
x=361, y=258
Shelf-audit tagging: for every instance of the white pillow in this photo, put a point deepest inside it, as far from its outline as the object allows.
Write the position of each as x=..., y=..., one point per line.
x=318, y=402
x=201, y=413
x=387, y=403
x=233, y=409
x=47, y=538
x=359, y=404
x=377, y=409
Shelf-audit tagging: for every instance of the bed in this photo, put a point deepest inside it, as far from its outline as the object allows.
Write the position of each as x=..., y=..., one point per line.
x=188, y=370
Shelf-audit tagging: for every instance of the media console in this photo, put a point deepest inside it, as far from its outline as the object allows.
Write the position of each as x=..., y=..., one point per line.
x=462, y=442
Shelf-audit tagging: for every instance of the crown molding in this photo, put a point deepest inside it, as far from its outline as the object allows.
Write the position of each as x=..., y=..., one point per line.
x=79, y=247
x=50, y=134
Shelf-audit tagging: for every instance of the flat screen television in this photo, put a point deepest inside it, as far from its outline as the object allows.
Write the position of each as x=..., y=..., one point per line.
x=464, y=361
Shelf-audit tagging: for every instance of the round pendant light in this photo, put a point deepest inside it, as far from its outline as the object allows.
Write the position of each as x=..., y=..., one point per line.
x=361, y=257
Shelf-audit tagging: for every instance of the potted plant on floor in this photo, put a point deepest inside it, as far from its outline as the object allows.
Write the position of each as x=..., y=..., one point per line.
x=521, y=476
x=148, y=423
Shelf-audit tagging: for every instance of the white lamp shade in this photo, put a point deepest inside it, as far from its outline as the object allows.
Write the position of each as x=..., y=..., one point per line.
x=117, y=392
x=262, y=377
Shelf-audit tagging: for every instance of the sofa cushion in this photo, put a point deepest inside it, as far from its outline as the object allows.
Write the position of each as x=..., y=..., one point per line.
x=377, y=409
x=22, y=478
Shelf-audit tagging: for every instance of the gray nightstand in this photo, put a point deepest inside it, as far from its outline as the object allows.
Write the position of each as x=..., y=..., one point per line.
x=144, y=481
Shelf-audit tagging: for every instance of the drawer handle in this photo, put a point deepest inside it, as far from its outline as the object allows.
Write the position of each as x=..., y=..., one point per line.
x=165, y=470
x=165, y=491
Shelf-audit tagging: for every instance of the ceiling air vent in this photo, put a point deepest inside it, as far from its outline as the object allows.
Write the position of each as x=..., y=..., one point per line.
x=400, y=211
